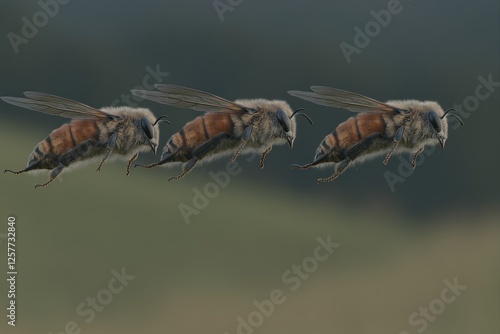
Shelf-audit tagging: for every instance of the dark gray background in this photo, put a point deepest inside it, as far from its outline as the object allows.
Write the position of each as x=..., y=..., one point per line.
x=397, y=248
x=95, y=52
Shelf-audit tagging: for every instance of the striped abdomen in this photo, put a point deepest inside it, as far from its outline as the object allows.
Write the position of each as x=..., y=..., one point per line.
x=351, y=132
x=52, y=150
x=198, y=131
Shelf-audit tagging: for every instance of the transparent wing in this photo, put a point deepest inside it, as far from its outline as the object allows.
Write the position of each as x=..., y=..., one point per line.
x=183, y=97
x=55, y=105
x=332, y=97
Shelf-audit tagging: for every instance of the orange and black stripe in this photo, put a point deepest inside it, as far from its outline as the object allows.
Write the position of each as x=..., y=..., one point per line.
x=199, y=130
x=357, y=128
x=371, y=123
x=205, y=128
x=67, y=137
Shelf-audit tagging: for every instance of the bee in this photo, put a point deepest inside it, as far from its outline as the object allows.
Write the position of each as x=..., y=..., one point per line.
x=396, y=126
x=92, y=133
x=226, y=127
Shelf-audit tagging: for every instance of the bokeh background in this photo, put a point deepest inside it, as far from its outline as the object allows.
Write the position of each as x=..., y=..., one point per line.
x=397, y=245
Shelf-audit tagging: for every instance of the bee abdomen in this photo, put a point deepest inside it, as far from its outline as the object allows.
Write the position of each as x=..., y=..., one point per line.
x=350, y=133
x=330, y=147
x=199, y=130
x=41, y=150
x=63, y=140
x=369, y=124
x=357, y=128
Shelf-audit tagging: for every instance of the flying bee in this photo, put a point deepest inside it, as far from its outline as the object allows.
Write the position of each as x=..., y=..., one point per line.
x=396, y=126
x=92, y=133
x=226, y=127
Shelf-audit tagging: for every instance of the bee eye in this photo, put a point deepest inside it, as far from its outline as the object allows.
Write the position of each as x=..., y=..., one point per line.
x=147, y=127
x=435, y=120
x=283, y=119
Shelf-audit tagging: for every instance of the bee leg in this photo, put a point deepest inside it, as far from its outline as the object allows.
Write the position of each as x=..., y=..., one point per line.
x=352, y=153
x=340, y=169
x=186, y=169
x=263, y=156
x=165, y=158
x=111, y=145
x=130, y=162
x=396, y=140
x=312, y=164
x=159, y=163
x=108, y=151
x=244, y=138
x=414, y=160
x=56, y=171
x=27, y=169
x=200, y=152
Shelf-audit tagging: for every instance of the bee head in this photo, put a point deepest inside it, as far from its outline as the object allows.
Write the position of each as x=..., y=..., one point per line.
x=288, y=124
x=151, y=132
x=437, y=127
x=275, y=118
x=439, y=124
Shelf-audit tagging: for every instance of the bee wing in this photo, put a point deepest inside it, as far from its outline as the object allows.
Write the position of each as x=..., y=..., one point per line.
x=332, y=97
x=55, y=105
x=183, y=97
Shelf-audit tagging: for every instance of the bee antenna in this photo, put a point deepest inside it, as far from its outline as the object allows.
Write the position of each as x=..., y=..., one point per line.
x=298, y=112
x=447, y=111
x=452, y=109
x=459, y=119
x=161, y=119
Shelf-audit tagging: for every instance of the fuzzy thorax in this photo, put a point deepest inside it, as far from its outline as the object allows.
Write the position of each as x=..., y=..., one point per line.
x=266, y=127
x=419, y=130
x=131, y=137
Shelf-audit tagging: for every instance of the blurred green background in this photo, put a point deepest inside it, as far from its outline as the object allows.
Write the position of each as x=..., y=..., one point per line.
x=397, y=246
